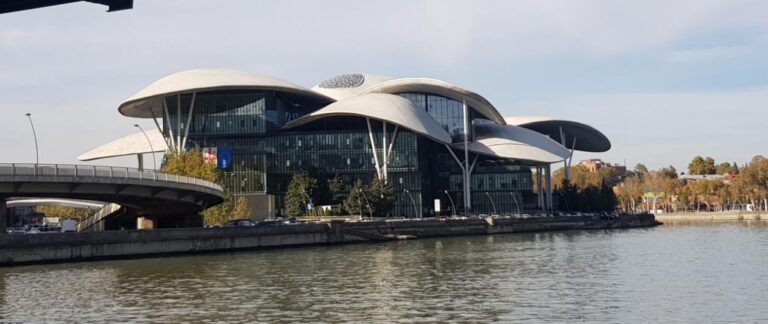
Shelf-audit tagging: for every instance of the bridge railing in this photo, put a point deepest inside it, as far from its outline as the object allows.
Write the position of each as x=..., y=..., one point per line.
x=96, y=171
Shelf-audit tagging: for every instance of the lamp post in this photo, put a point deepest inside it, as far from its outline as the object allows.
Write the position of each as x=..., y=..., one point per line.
x=154, y=158
x=514, y=197
x=310, y=202
x=34, y=134
x=453, y=210
x=415, y=209
x=492, y=203
x=367, y=203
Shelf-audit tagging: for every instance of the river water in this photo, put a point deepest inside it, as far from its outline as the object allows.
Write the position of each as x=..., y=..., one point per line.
x=674, y=273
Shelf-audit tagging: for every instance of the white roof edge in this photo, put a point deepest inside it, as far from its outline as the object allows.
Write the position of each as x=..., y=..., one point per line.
x=133, y=144
x=387, y=107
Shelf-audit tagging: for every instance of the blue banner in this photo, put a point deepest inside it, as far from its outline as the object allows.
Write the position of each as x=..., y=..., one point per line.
x=224, y=158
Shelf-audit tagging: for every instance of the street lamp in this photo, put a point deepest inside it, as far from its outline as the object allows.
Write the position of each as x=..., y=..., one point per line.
x=154, y=158
x=310, y=202
x=34, y=134
x=492, y=203
x=453, y=211
x=415, y=209
x=367, y=204
x=514, y=197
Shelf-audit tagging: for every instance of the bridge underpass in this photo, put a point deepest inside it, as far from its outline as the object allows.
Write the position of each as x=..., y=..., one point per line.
x=167, y=200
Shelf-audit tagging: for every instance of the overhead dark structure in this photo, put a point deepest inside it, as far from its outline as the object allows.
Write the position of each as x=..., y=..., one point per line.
x=19, y=5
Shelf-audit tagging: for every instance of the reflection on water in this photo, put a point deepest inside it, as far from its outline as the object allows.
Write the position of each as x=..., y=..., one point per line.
x=670, y=273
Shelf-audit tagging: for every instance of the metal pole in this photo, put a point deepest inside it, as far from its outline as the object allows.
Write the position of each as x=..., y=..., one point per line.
x=415, y=209
x=492, y=203
x=154, y=158
x=514, y=197
x=453, y=210
x=34, y=134
x=467, y=187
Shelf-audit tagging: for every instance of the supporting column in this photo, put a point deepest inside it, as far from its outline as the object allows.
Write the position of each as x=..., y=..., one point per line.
x=384, y=149
x=467, y=178
x=178, y=123
x=463, y=172
x=539, y=188
x=167, y=121
x=160, y=129
x=3, y=215
x=141, y=161
x=373, y=148
x=548, y=169
x=189, y=121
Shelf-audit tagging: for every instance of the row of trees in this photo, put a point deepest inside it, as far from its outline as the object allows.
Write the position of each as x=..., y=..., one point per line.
x=586, y=191
x=745, y=185
x=191, y=164
x=376, y=198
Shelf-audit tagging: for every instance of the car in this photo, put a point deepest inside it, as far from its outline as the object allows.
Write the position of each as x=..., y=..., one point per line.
x=240, y=223
x=15, y=230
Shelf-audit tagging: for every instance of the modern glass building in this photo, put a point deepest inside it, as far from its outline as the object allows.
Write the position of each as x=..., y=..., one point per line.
x=445, y=147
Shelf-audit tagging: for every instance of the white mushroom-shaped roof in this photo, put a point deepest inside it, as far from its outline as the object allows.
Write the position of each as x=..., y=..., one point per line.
x=129, y=145
x=344, y=86
x=348, y=85
x=512, y=142
x=588, y=138
x=439, y=87
x=386, y=107
x=148, y=101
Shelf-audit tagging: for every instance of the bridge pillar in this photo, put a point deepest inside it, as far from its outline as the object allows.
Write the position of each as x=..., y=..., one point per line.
x=145, y=223
x=3, y=215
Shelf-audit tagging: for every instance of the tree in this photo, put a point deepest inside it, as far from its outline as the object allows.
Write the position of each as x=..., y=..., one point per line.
x=191, y=164
x=641, y=169
x=64, y=212
x=382, y=197
x=355, y=202
x=726, y=168
x=302, y=187
x=701, y=166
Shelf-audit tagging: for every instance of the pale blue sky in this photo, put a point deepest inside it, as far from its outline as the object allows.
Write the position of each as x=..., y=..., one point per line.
x=664, y=80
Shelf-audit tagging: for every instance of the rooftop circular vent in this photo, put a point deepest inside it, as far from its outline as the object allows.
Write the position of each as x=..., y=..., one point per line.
x=343, y=81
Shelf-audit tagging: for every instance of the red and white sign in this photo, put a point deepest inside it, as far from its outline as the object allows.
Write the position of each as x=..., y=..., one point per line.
x=210, y=155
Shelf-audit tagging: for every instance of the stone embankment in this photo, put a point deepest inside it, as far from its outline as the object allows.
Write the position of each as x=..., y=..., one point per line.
x=68, y=247
x=712, y=216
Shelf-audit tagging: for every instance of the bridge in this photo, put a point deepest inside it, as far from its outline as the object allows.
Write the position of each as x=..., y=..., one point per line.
x=168, y=200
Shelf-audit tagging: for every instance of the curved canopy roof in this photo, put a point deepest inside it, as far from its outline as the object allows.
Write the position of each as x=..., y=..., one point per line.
x=512, y=142
x=439, y=87
x=129, y=145
x=348, y=85
x=588, y=138
x=386, y=107
x=148, y=101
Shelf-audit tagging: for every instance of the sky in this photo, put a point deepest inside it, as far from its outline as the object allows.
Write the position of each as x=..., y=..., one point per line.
x=664, y=80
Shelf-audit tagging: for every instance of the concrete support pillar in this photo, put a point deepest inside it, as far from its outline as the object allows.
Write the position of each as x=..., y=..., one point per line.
x=548, y=204
x=141, y=161
x=539, y=188
x=144, y=223
x=3, y=215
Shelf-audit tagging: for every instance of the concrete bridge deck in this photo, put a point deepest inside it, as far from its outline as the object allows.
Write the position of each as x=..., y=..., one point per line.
x=145, y=193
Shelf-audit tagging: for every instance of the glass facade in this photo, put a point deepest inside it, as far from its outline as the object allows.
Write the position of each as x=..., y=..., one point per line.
x=447, y=112
x=264, y=157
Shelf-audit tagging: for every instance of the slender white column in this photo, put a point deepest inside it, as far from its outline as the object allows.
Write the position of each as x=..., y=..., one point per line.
x=373, y=148
x=160, y=129
x=467, y=185
x=384, y=148
x=167, y=120
x=189, y=121
x=178, y=123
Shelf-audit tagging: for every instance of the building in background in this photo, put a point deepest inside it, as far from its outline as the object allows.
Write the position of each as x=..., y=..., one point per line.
x=436, y=142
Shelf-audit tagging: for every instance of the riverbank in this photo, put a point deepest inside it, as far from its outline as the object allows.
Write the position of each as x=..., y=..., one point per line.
x=71, y=247
x=712, y=216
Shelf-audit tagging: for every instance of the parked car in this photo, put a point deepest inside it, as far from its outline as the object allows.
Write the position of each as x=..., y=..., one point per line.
x=15, y=230
x=240, y=223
